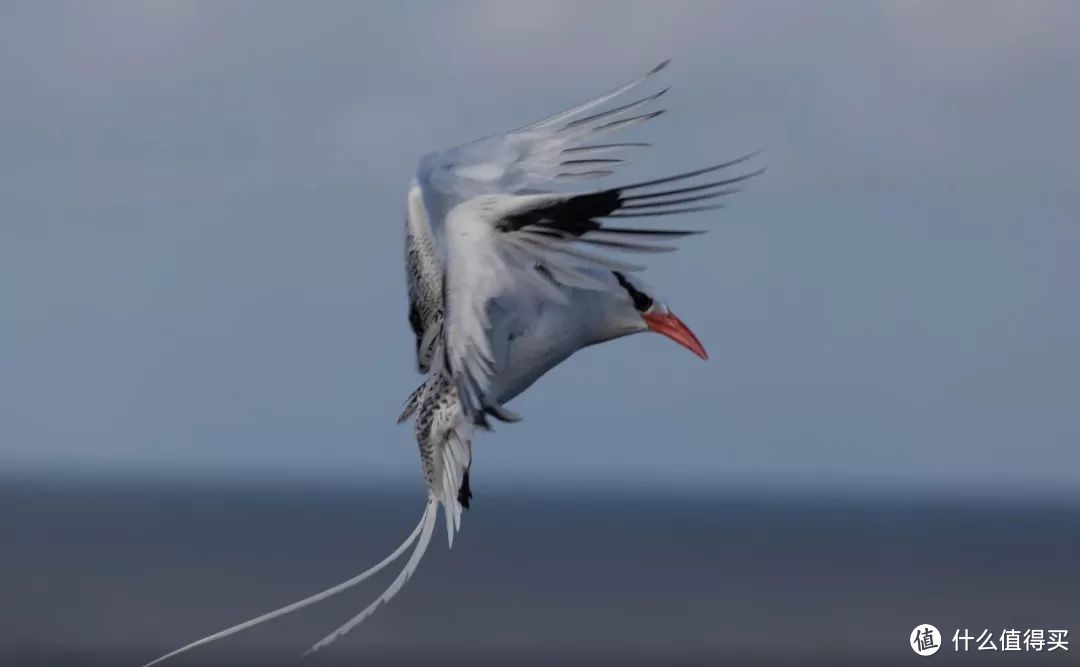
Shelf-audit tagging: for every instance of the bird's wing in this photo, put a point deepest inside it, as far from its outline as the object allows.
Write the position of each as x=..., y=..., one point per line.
x=569, y=145
x=506, y=252
x=424, y=277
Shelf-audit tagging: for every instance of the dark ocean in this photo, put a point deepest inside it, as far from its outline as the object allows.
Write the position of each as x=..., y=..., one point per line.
x=116, y=573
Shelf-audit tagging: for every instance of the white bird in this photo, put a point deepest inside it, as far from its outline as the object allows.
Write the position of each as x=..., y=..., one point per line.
x=503, y=286
x=488, y=258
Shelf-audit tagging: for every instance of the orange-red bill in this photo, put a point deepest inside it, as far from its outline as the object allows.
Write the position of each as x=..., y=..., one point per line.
x=666, y=324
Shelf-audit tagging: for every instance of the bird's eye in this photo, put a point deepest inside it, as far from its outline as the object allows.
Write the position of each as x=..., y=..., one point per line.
x=642, y=301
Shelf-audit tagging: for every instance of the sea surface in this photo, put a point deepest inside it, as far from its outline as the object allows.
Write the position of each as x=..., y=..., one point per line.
x=115, y=573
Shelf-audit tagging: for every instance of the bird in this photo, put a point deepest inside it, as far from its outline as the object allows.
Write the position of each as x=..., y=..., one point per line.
x=505, y=280
x=475, y=288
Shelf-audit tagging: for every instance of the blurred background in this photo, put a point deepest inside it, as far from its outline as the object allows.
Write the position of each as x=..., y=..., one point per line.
x=203, y=337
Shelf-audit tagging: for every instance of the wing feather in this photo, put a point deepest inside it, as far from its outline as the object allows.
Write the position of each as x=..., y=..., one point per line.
x=596, y=101
x=530, y=158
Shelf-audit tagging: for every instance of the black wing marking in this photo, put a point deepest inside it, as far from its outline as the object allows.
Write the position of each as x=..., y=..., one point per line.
x=578, y=217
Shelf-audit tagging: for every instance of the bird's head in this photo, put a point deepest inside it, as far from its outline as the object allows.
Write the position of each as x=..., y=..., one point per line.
x=644, y=310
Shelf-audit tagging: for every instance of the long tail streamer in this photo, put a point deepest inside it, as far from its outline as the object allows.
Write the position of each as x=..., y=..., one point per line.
x=428, y=523
x=423, y=531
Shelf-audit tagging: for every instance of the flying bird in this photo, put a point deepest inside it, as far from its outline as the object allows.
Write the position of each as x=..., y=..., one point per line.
x=508, y=277
x=493, y=253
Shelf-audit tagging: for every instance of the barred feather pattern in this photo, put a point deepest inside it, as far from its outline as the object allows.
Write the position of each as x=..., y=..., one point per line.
x=424, y=277
x=445, y=441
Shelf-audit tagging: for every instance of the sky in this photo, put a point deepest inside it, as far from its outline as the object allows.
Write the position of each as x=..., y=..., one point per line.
x=201, y=265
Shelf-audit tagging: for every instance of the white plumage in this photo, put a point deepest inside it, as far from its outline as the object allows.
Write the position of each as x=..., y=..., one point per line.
x=505, y=282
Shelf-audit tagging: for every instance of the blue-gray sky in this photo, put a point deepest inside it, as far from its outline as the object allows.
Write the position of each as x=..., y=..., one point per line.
x=200, y=238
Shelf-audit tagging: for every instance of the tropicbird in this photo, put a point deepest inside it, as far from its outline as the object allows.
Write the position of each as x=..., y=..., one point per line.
x=501, y=290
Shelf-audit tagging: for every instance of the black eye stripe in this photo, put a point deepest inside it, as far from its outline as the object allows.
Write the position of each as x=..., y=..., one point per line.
x=642, y=301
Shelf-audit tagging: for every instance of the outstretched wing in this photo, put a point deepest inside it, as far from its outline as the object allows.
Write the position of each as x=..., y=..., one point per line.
x=505, y=252
x=569, y=145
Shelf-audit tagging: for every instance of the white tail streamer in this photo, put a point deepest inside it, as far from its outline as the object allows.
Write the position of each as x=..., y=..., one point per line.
x=428, y=522
x=424, y=524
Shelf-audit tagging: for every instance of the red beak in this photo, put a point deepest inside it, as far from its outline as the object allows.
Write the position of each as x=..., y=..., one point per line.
x=666, y=324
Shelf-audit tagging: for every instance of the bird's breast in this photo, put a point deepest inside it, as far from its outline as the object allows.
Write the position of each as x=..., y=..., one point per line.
x=555, y=334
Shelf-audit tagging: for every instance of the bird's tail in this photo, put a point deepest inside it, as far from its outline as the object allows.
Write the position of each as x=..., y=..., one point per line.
x=422, y=532
x=446, y=464
x=426, y=528
x=446, y=454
